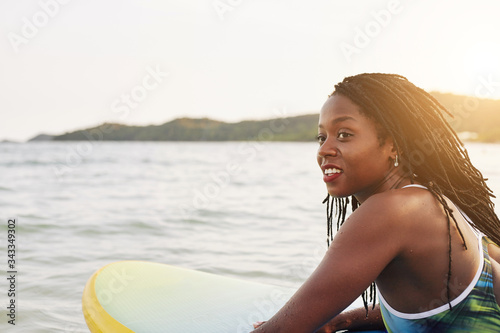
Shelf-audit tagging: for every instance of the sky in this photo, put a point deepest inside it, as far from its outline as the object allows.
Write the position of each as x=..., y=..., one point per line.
x=72, y=64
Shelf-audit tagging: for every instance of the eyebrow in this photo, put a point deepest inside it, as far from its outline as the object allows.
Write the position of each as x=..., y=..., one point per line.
x=339, y=120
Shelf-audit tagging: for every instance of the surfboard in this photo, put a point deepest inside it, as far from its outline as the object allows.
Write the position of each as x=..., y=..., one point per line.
x=136, y=296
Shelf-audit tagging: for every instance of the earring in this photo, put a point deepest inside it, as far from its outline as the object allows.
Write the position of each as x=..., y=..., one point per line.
x=396, y=162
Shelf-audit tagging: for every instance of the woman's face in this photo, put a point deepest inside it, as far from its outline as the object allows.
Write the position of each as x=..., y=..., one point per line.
x=350, y=154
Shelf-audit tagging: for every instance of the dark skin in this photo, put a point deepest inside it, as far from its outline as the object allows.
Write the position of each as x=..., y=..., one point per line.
x=397, y=237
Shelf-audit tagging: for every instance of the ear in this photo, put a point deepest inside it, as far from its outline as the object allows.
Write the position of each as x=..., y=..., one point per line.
x=393, y=152
x=391, y=148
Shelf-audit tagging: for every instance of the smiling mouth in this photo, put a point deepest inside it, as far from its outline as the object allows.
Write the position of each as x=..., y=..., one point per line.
x=332, y=171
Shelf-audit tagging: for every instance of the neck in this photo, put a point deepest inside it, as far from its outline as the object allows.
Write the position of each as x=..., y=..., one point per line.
x=393, y=180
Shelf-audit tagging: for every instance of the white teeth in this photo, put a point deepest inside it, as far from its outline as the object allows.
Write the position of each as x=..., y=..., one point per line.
x=331, y=171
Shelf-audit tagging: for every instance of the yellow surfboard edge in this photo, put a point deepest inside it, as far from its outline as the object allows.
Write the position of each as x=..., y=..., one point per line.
x=137, y=296
x=96, y=317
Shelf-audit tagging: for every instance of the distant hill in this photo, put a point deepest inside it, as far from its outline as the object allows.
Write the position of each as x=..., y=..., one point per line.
x=299, y=128
x=477, y=118
x=42, y=137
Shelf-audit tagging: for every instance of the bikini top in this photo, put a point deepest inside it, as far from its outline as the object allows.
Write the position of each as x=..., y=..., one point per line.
x=474, y=310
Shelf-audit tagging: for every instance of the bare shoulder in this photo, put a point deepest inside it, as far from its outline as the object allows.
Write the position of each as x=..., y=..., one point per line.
x=398, y=219
x=390, y=220
x=402, y=206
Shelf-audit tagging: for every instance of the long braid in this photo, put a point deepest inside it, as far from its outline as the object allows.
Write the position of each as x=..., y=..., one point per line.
x=430, y=151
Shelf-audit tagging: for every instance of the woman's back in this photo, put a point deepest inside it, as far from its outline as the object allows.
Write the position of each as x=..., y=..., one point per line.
x=416, y=280
x=414, y=286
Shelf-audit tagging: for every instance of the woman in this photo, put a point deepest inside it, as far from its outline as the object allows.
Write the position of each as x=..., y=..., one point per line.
x=421, y=210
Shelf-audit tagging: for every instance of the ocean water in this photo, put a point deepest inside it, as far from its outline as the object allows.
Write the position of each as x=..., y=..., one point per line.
x=250, y=210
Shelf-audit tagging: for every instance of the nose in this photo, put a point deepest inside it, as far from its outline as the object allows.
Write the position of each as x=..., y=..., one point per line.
x=327, y=148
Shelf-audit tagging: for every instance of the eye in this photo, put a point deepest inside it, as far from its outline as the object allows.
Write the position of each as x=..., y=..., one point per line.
x=343, y=135
x=320, y=138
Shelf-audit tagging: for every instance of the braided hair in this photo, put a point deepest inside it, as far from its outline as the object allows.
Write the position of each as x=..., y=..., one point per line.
x=430, y=153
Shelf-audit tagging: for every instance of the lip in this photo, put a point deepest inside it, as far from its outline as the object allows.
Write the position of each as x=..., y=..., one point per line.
x=328, y=179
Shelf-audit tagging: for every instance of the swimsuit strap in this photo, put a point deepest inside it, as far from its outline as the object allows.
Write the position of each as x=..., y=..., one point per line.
x=415, y=185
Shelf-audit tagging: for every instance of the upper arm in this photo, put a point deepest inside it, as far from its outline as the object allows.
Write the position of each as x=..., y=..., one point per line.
x=367, y=242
